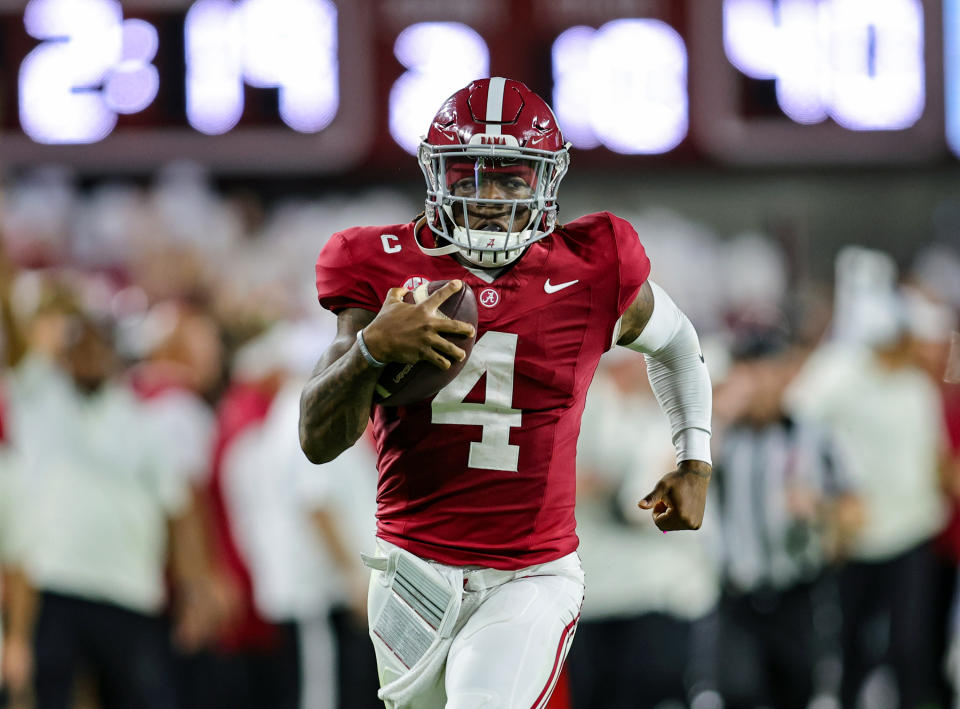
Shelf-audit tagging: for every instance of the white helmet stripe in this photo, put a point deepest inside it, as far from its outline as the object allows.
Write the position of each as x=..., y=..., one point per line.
x=494, y=105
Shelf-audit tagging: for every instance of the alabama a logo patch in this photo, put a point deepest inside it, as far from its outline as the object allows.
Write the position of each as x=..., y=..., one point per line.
x=415, y=281
x=489, y=297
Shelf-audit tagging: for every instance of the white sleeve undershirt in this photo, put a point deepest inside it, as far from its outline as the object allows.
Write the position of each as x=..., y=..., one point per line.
x=678, y=375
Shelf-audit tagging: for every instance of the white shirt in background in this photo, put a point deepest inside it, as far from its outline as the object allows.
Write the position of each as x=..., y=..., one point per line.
x=272, y=491
x=189, y=425
x=889, y=427
x=11, y=509
x=99, y=484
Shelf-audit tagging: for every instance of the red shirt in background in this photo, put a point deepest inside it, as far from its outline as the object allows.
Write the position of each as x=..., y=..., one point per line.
x=242, y=406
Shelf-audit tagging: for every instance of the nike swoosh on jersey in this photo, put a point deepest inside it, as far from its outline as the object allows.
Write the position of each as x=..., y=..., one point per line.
x=551, y=288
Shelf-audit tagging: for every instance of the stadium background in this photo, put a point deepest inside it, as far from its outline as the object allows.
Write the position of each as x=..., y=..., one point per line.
x=167, y=162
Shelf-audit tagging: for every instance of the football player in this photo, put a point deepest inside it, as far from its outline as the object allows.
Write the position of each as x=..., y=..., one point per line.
x=477, y=586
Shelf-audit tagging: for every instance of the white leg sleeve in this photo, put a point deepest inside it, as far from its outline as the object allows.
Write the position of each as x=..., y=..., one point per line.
x=678, y=375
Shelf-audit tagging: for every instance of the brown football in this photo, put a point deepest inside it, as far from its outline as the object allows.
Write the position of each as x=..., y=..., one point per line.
x=402, y=384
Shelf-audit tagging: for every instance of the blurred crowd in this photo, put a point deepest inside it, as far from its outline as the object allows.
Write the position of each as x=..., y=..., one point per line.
x=164, y=543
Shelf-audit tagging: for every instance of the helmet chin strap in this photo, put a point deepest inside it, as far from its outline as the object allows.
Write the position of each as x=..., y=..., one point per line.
x=436, y=251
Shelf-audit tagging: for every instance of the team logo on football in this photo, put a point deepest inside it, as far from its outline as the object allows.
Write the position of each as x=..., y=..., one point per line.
x=489, y=297
x=415, y=281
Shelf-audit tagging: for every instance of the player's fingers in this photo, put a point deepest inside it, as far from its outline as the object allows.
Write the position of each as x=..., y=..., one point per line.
x=669, y=516
x=445, y=347
x=653, y=498
x=454, y=327
x=435, y=358
x=668, y=521
x=443, y=292
x=395, y=295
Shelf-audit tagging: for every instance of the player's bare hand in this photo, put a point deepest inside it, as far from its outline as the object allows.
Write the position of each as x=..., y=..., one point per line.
x=679, y=498
x=403, y=332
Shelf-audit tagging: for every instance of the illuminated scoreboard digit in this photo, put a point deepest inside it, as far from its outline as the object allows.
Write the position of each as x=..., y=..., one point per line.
x=854, y=81
x=86, y=44
x=289, y=45
x=439, y=58
x=951, y=52
x=331, y=86
x=623, y=86
x=859, y=62
x=251, y=85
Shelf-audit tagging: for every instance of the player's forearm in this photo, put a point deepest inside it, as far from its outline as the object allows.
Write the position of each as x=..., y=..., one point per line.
x=189, y=556
x=335, y=541
x=335, y=406
x=21, y=605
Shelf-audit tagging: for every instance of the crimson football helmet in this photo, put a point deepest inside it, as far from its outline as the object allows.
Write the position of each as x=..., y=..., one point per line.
x=492, y=151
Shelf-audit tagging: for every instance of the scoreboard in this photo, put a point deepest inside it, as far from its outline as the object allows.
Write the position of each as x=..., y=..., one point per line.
x=330, y=86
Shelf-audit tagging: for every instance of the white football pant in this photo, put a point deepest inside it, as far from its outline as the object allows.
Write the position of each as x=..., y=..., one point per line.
x=511, y=637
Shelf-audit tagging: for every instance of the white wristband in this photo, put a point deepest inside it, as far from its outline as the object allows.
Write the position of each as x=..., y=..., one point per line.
x=693, y=444
x=371, y=360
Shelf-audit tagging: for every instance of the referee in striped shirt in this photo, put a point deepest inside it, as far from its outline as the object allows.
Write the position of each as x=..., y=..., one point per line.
x=782, y=502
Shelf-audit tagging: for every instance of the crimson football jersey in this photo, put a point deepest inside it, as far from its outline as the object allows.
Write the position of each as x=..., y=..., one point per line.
x=485, y=472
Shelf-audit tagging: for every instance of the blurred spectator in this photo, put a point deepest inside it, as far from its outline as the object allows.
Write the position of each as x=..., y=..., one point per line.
x=182, y=367
x=290, y=550
x=936, y=269
x=635, y=638
x=17, y=596
x=352, y=508
x=931, y=326
x=102, y=488
x=885, y=414
x=783, y=503
x=686, y=254
x=36, y=217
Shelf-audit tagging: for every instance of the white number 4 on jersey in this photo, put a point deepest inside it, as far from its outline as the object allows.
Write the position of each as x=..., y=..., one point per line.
x=494, y=354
